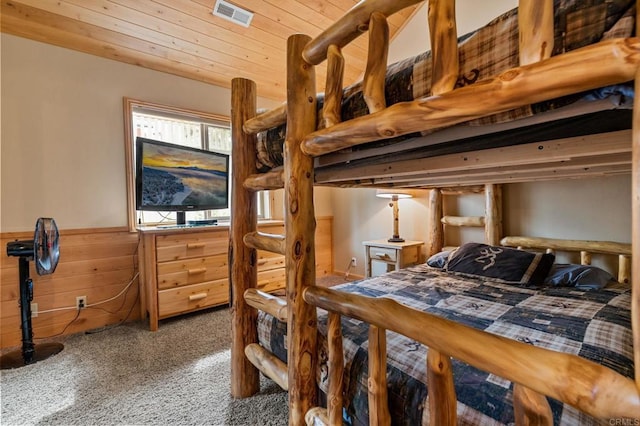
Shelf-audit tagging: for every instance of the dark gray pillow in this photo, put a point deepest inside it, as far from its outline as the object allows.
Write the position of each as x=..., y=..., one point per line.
x=500, y=263
x=585, y=277
x=439, y=259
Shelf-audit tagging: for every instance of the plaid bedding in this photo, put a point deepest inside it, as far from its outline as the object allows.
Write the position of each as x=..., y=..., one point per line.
x=482, y=54
x=595, y=325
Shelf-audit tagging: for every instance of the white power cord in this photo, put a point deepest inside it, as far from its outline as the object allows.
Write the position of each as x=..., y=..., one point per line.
x=346, y=273
x=68, y=308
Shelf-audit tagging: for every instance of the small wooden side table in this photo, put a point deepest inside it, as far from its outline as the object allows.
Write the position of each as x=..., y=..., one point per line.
x=395, y=255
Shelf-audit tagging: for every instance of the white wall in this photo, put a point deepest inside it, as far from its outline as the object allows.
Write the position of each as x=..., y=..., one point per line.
x=62, y=140
x=470, y=15
x=592, y=208
x=322, y=202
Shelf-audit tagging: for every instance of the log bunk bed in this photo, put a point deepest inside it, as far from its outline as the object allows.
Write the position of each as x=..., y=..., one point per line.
x=326, y=151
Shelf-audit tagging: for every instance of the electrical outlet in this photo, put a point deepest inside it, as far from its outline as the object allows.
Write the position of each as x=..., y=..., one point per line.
x=34, y=310
x=354, y=261
x=81, y=302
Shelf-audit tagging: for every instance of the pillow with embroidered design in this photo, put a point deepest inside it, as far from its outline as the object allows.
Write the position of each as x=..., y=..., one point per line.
x=500, y=264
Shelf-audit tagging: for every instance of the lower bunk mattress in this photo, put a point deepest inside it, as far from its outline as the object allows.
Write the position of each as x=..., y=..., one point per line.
x=593, y=324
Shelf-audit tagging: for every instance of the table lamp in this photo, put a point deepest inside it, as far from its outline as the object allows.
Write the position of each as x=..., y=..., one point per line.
x=394, y=195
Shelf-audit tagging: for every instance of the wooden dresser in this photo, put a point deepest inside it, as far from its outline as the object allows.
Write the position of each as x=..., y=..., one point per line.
x=186, y=269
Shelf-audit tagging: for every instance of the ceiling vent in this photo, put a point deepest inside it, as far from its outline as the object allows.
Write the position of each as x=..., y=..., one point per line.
x=232, y=13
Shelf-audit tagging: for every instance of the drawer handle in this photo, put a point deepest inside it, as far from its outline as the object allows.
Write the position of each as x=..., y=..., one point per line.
x=197, y=271
x=381, y=255
x=198, y=296
x=194, y=245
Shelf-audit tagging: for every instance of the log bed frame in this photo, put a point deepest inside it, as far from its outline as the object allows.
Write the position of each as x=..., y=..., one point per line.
x=591, y=388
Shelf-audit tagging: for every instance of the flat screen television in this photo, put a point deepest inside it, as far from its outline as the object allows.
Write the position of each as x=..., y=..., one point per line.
x=178, y=178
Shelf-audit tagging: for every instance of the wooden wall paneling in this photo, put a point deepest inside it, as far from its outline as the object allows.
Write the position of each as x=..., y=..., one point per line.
x=26, y=22
x=324, y=246
x=96, y=263
x=161, y=25
x=184, y=38
x=30, y=22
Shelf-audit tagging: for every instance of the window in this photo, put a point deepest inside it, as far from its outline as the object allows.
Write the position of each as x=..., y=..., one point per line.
x=179, y=126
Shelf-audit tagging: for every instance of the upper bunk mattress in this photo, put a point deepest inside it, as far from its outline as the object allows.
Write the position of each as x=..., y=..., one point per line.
x=483, y=54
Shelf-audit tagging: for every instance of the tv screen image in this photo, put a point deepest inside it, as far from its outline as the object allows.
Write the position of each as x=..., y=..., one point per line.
x=173, y=177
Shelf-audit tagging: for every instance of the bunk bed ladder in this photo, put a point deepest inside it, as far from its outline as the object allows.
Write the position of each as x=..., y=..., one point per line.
x=297, y=178
x=243, y=268
x=247, y=356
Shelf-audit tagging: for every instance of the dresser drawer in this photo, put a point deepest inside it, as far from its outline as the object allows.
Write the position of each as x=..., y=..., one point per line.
x=192, y=271
x=384, y=254
x=192, y=297
x=410, y=256
x=187, y=246
x=267, y=261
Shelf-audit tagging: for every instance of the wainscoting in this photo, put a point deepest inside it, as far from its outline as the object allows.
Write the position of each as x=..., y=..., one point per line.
x=96, y=263
x=99, y=264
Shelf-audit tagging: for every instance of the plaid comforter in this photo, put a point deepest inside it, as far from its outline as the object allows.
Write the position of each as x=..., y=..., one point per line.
x=483, y=54
x=591, y=324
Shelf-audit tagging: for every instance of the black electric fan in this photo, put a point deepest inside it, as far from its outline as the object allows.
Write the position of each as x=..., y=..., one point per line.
x=45, y=252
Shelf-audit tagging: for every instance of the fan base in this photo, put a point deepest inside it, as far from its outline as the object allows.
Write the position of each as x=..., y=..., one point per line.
x=41, y=352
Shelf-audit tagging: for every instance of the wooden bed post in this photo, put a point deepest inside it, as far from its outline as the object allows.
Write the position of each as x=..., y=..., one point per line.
x=435, y=237
x=535, y=24
x=243, y=272
x=493, y=213
x=300, y=231
x=444, y=45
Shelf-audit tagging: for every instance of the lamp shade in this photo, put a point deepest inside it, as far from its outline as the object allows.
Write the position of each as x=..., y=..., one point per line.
x=399, y=193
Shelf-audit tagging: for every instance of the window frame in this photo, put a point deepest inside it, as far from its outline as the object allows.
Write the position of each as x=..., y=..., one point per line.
x=129, y=106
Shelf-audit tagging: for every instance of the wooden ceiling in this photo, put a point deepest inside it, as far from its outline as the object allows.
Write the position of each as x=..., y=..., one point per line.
x=184, y=38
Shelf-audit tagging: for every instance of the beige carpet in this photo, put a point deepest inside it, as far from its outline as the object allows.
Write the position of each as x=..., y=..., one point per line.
x=331, y=280
x=128, y=375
